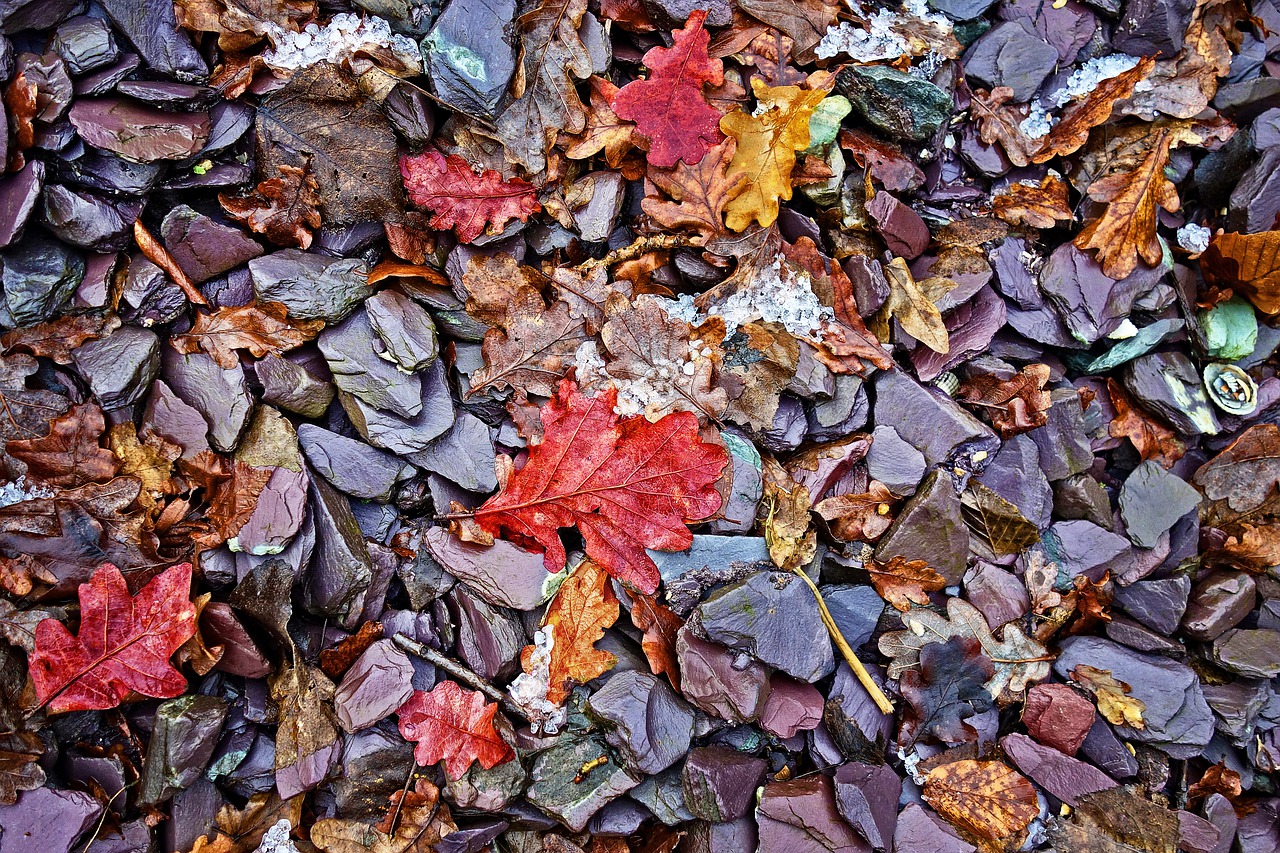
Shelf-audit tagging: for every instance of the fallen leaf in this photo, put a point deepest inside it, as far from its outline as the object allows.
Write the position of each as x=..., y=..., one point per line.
x=1249, y=264
x=20, y=573
x=1015, y=405
x=1217, y=779
x=195, y=652
x=20, y=97
x=912, y=304
x=56, y=338
x=1001, y=121
x=262, y=328
x=788, y=530
x=626, y=485
x=1244, y=474
x=902, y=582
x=605, y=131
x=19, y=752
x=577, y=617
x=453, y=725
x=883, y=160
x=472, y=204
x=770, y=53
x=531, y=348
x=25, y=413
x=1092, y=600
x=660, y=626
x=1112, y=696
x=123, y=647
x=862, y=517
x=987, y=798
x=1072, y=129
x=308, y=726
x=1250, y=547
x=231, y=490
x=1151, y=438
x=946, y=690
x=70, y=454
x=700, y=193
x=805, y=21
x=544, y=99
x=420, y=820
x=337, y=659
x=997, y=521
x=759, y=360
x=284, y=209
x=1035, y=206
x=766, y=150
x=1126, y=229
x=1117, y=820
x=241, y=830
x=150, y=460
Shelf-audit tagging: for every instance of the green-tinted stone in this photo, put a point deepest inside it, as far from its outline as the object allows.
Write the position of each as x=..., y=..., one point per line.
x=897, y=103
x=1230, y=329
x=824, y=124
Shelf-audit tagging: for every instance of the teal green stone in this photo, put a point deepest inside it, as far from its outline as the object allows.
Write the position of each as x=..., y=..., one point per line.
x=1230, y=329
x=824, y=124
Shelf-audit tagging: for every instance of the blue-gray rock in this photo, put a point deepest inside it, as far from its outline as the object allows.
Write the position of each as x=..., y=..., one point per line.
x=1255, y=201
x=341, y=569
x=554, y=790
x=929, y=420
x=464, y=455
x=1000, y=595
x=644, y=720
x=1084, y=548
x=1158, y=604
x=402, y=435
x=221, y=395
x=352, y=466
x=894, y=462
x=855, y=609
x=1219, y=601
x=846, y=412
x=503, y=574
x=405, y=329
x=961, y=10
x=739, y=511
x=1103, y=748
x=121, y=366
x=773, y=617
x=1010, y=54
x=152, y=27
x=1152, y=500
x=1063, y=441
x=291, y=386
x=930, y=528
x=351, y=351
x=663, y=795
x=902, y=105
x=18, y=196
x=1090, y=303
x=1151, y=27
x=710, y=561
x=1168, y=385
x=1014, y=473
x=470, y=55
x=311, y=286
x=489, y=638
x=88, y=220
x=39, y=276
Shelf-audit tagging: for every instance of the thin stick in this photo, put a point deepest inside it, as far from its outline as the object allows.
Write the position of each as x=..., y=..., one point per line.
x=864, y=677
x=460, y=672
x=638, y=248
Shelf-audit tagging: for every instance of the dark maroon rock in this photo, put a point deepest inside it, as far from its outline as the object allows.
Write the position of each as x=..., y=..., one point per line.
x=1064, y=777
x=930, y=527
x=241, y=654
x=1058, y=716
x=203, y=247
x=1219, y=811
x=1195, y=834
x=902, y=229
x=18, y=196
x=720, y=782
x=800, y=816
x=90, y=221
x=378, y=683
x=707, y=837
x=721, y=682
x=792, y=707
x=114, y=124
x=867, y=797
x=1000, y=595
x=1219, y=601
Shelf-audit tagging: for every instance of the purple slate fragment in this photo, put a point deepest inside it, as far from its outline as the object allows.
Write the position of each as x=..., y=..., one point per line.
x=1103, y=748
x=113, y=123
x=18, y=196
x=47, y=821
x=972, y=327
x=800, y=816
x=502, y=574
x=1066, y=778
x=1000, y=595
x=1084, y=548
x=1195, y=834
x=867, y=797
x=705, y=837
x=721, y=682
x=377, y=683
x=921, y=831
x=644, y=720
x=792, y=706
x=203, y=247
x=1219, y=811
x=1158, y=604
x=903, y=230
x=1219, y=601
x=720, y=782
x=308, y=771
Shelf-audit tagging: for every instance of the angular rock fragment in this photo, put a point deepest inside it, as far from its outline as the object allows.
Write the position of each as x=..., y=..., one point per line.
x=311, y=286
x=1152, y=500
x=379, y=681
x=720, y=782
x=554, y=790
x=801, y=817
x=719, y=681
x=352, y=466
x=648, y=725
x=867, y=797
x=121, y=366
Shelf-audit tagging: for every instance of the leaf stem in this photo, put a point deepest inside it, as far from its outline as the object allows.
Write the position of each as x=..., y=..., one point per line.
x=864, y=677
x=460, y=672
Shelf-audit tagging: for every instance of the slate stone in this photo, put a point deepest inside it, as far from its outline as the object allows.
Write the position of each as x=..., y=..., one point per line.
x=1011, y=54
x=405, y=329
x=1152, y=500
x=1090, y=303
x=151, y=26
x=663, y=795
x=464, y=454
x=1195, y=834
x=1063, y=442
x=340, y=570
x=1169, y=386
x=739, y=511
x=1137, y=636
x=85, y=43
x=855, y=609
x=676, y=12
x=1081, y=497
x=745, y=616
x=353, y=466
x=1219, y=601
x=138, y=132
x=121, y=366
x=705, y=837
x=720, y=782
x=489, y=638
x=1058, y=716
x=350, y=350
x=644, y=720
x=1177, y=718
x=800, y=816
x=930, y=527
x=88, y=220
x=901, y=228
x=470, y=55
x=789, y=428
x=921, y=831
x=971, y=326
x=401, y=435
x=604, y=191
x=711, y=560
x=374, y=764
x=182, y=742
x=894, y=462
x=45, y=820
x=19, y=194
x=241, y=654
x=574, y=803
x=1084, y=548
x=867, y=797
x=278, y=514
x=1150, y=27
x=792, y=707
x=1158, y=604
x=202, y=247
x=167, y=415
x=1103, y=748
x=853, y=720
x=488, y=790
x=1237, y=704
x=311, y=286
x=220, y=395
x=502, y=574
x=1219, y=811
x=1252, y=653
x=899, y=104
x=961, y=10
x=379, y=682
x=1014, y=473
x=721, y=682
x=39, y=275
x=292, y=387
x=1064, y=777
x=928, y=420
x=1254, y=198
x=1001, y=596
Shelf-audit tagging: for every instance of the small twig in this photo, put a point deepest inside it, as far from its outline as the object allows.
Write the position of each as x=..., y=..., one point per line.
x=105, y=811
x=864, y=677
x=460, y=672
x=395, y=816
x=153, y=251
x=639, y=247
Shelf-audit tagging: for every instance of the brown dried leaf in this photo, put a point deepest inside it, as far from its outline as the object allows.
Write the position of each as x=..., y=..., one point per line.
x=262, y=328
x=660, y=626
x=604, y=131
x=1042, y=206
x=1016, y=405
x=533, y=348
x=19, y=573
x=202, y=657
x=231, y=490
x=150, y=460
x=902, y=582
x=1249, y=264
x=1151, y=438
x=241, y=830
x=70, y=455
x=1000, y=121
x=788, y=530
x=987, y=798
x=805, y=21
x=863, y=517
x=1117, y=820
x=912, y=304
x=337, y=659
x=56, y=339
x=996, y=520
x=759, y=360
x=1218, y=779
x=1072, y=131
x=285, y=210
x=494, y=283
x=700, y=192
x=19, y=752
x=1112, y=696
x=583, y=608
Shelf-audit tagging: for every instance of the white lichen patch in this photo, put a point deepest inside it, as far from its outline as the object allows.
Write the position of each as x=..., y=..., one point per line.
x=20, y=490
x=1038, y=122
x=529, y=689
x=652, y=394
x=886, y=35
x=342, y=39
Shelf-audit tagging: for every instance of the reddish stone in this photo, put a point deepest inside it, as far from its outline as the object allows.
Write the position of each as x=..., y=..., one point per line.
x=1058, y=716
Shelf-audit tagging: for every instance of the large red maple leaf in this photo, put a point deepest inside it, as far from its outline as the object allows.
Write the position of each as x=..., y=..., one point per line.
x=455, y=725
x=669, y=107
x=461, y=199
x=124, y=644
x=626, y=485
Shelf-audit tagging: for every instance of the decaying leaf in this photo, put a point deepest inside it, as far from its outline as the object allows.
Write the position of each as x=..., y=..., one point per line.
x=18, y=576
x=1000, y=524
x=1151, y=438
x=231, y=490
x=70, y=455
x=577, y=617
x=453, y=725
x=149, y=458
x=1114, y=701
x=987, y=798
x=416, y=822
x=788, y=530
x=912, y=304
x=1035, y=206
x=660, y=626
x=604, y=131
x=19, y=752
x=472, y=204
x=1249, y=264
x=902, y=582
x=336, y=660
x=804, y=21
x=1244, y=474
x=241, y=830
x=700, y=192
x=862, y=517
x=946, y=690
x=1072, y=130
x=1117, y=820
x=284, y=209
x=1001, y=121
x=1217, y=779
x=1015, y=405
x=308, y=726
x=56, y=339
x=533, y=348
x=759, y=360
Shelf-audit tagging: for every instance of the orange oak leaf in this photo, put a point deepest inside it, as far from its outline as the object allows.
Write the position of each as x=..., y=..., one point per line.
x=577, y=617
x=1016, y=405
x=700, y=192
x=124, y=645
x=1042, y=206
x=987, y=798
x=285, y=210
x=626, y=485
x=453, y=725
x=605, y=131
x=1126, y=230
x=1249, y=264
x=1152, y=439
x=669, y=107
x=262, y=328
x=660, y=626
x=56, y=339
x=1072, y=131
x=902, y=582
x=471, y=204
x=70, y=454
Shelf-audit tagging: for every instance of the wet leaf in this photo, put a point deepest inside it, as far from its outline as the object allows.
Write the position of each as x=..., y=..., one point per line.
x=805, y=21
x=902, y=582
x=1151, y=438
x=70, y=455
x=149, y=459
x=455, y=726
x=605, y=131
x=56, y=338
x=946, y=690
x=1001, y=524
x=231, y=490
x=1117, y=820
x=284, y=209
x=420, y=821
x=987, y=798
x=1072, y=130
x=1249, y=264
x=337, y=659
x=1245, y=473
x=577, y=617
x=1001, y=121
x=912, y=304
x=1042, y=206
x=660, y=626
x=262, y=328
x=1112, y=696
x=241, y=830
x=1015, y=405
x=700, y=193
x=862, y=517
x=471, y=203
x=788, y=530
x=19, y=752
x=532, y=348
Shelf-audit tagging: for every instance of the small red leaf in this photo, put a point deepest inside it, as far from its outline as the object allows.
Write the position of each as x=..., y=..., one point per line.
x=669, y=107
x=627, y=485
x=455, y=725
x=461, y=199
x=123, y=647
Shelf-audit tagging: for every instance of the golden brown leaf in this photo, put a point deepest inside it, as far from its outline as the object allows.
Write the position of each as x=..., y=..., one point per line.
x=336, y=660
x=862, y=517
x=577, y=617
x=202, y=657
x=987, y=798
x=1249, y=264
x=231, y=490
x=902, y=582
x=1251, y=547
x=1112, y=696
x=1072, y=131
x=1152, y=439
x=493, y=283
x=1000, y=523
x=1000, y=121
x=700, y=192
x=154, y=251
x=759, y=360
x=788, y=529
x=262, y=328
x=1218, y=779
x=1117, y=820
x=660, y=626
x=604, y=131
x=533, y=348
x=1016, y=405
x=285, y=209
x=912, y=304
x=56, y=339
x=241, y=830
x=1126, y=229
x=150, y=460
x=70, y=455
x=1042, y=206
x=19, y=573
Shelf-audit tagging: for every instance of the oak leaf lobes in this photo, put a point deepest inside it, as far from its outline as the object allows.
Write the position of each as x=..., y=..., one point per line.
x=626, y=485
x=455, y=725
x=669, y=107
x=459, y=198
x=577, y=617
x=123, y=647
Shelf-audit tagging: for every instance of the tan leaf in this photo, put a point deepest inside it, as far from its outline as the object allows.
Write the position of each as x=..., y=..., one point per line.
x=759, y=361
x=1151, y=438
x=788, y=529
x=987, y=798
x=261, y=328
x=534, y=347
x=241, y=830
x=1072, y=130
x=604, y=131
x=1249, y=264
x=19, y=573
x=1042, y=206
x=996, y=520
x=150, y=460
x=201, y=656
x=912, y=304
x=420, y=821
x=493, y=283
x=699, y=192
x=284, y=209
x=577, y=618
x=1117, y=820
x=1112, y=696
x=862, y=517
x=902, y=582
x=1000, y=121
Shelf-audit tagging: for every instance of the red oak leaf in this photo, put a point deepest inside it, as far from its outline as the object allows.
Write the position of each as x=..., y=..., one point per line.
x=124, y=644
x=669, y=107
x=463, y=200
x=455, y=725
x=626, y=484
